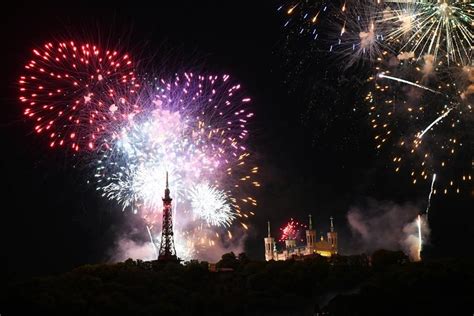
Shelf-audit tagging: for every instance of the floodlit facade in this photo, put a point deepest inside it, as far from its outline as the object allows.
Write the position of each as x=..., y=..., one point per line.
x=324, y=247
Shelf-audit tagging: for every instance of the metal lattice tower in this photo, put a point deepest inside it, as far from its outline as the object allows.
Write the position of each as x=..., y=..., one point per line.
x=167, y=250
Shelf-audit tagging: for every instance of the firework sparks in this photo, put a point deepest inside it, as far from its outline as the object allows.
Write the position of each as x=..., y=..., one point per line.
x=69, y=89
x=304, y=16
x=438, y=28
x=194, y=128
x=349, y=28
x=425, y=93
x=211, y=204
x=291, y=230
x=357, y=36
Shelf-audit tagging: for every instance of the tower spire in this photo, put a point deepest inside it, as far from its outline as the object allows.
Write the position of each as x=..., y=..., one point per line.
x=167, y=249
x=167, y=189
x=332, y=224
x=269, y=235
x=310, y=222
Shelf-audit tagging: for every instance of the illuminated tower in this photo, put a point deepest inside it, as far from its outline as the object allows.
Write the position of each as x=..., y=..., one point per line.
x=269, y=246
x=310, y=238
x=332, y=237
x=167, y=250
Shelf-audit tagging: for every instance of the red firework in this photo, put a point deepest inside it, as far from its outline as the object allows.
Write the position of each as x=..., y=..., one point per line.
x=291, y=230
x=71, y=92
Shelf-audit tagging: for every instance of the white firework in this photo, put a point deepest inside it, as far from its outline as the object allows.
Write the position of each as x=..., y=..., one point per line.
x=211, y=205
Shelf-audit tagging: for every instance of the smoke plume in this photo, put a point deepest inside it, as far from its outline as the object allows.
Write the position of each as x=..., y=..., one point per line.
x=428, y=66
x=469, y=72
x=386, y=225
x=411, y=244
x=142, y=248
x=127, y=248
x=406, y=55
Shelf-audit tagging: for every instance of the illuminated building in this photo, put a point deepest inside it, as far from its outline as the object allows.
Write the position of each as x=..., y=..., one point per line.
x=324, y=247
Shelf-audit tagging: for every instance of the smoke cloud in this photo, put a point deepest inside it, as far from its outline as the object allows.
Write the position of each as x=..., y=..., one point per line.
x=412, y=245
x=469, y=71
x=126, y=248
x=142, y=248
x=428, y=67
x=367, y=39
x=386, y=225
x=406, y=55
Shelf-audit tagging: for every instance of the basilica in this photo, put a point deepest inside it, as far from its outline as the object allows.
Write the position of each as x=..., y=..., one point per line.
x=324, y=247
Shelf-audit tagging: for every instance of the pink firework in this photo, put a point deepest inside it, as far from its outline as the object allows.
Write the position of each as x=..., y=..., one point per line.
x=291, y=230
x=218, y=107
x=71, y=90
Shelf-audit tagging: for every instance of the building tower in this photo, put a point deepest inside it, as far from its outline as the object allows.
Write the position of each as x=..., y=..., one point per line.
x=332, y=237
x=167, y=250
x=269, y=245
x=310, y=238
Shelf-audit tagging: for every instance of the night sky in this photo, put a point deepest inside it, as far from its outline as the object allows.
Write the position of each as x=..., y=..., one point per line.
x=313, y=149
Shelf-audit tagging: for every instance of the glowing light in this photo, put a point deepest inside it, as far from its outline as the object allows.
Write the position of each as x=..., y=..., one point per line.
x=211, y=205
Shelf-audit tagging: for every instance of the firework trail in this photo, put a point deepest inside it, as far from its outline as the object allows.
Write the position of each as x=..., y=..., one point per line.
x=304, y=16
x=68, y=90
x=420, y=240
x=431, y=93
x=429, y=196
x=148, y=229
x=381, y=75
x=442, y=116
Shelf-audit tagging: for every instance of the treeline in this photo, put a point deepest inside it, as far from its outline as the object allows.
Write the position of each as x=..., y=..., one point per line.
x=383, y=284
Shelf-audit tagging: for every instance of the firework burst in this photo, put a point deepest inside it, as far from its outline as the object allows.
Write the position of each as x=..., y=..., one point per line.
x=424, y=109
x=68, y=91
x=211, y=205
x=292, y=231
x=442, y=29
x=194, y=128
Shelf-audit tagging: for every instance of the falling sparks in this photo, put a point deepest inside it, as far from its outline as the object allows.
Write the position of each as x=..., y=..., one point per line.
x=424, y=109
